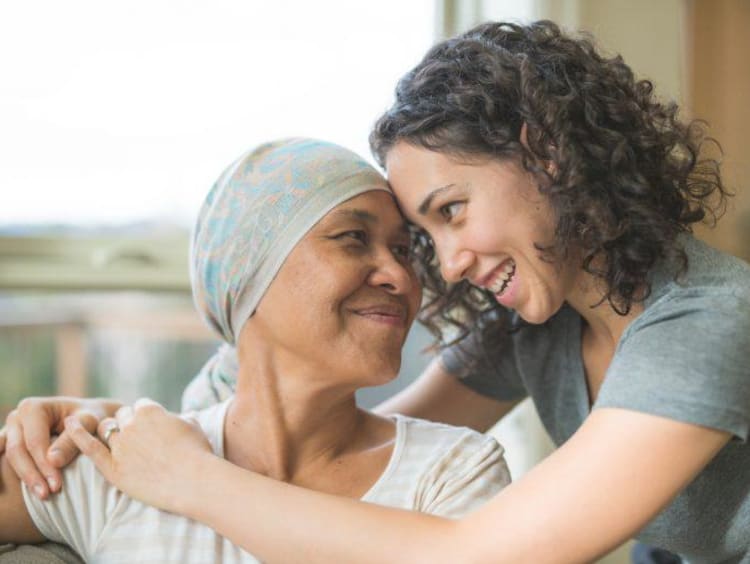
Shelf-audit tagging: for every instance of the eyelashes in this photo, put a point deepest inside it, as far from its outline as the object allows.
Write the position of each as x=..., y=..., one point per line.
x=450, y=210
x=358, y=235
x=362, y=239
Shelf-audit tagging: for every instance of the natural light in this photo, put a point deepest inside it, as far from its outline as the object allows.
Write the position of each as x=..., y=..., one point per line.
x=118, y=112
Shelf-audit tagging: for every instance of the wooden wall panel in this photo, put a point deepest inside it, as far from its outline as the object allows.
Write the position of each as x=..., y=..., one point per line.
x=719, y=91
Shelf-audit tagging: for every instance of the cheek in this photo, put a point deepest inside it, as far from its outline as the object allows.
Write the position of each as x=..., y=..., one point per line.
x=488, y=236
x=415, y=299
x=319, y=290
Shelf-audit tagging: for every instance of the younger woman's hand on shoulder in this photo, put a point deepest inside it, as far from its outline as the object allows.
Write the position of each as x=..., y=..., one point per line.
x=36, y=444
x=146, y=452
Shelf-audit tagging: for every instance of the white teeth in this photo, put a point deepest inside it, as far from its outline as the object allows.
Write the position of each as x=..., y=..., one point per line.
x=501, y=282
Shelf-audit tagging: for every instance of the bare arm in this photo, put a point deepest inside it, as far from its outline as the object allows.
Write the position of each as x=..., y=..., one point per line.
x=16, y=525
x=589, y=496
x=438, y=396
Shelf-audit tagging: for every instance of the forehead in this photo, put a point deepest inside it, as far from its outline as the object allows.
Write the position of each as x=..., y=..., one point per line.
x=376, y=207
x=415, y=171
x=417, y=175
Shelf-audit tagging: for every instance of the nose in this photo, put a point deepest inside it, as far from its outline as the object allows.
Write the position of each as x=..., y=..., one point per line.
x=454, y=263
x=393, y=275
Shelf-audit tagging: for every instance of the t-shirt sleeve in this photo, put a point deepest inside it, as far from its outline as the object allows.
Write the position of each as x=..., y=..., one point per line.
x=688, y=360
x=492, y=372
x=466, y=477
x=78, y=514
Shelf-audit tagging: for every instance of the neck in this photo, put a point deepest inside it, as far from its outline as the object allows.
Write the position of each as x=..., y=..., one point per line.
x=603, y=323
x=282, y=424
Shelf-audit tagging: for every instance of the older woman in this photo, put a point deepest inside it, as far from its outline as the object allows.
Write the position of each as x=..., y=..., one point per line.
x=300, y=260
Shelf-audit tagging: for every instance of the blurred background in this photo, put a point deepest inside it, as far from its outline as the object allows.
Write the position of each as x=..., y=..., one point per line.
x=115, y=119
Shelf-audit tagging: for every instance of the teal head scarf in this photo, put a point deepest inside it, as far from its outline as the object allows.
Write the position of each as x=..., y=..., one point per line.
x=256, y=212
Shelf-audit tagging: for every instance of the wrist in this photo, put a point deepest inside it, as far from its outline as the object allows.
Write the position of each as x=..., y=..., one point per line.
x=191, y=497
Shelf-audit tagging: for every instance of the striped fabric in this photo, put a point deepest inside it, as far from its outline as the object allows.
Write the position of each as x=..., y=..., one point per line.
x=434, y=468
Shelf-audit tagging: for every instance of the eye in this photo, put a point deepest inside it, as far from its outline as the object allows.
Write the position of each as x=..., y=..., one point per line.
x=358, y=235
x=450, y=210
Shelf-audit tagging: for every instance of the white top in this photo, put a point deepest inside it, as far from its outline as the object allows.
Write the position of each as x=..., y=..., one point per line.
x=434, y=468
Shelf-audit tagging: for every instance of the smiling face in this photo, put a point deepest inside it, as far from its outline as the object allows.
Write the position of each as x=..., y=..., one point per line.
x=346, y=296
x=484, y=219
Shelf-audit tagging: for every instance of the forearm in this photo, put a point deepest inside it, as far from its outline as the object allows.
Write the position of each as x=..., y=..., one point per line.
x=439, y=396
x=282, y=523
x=16, y=525
x=588, y=497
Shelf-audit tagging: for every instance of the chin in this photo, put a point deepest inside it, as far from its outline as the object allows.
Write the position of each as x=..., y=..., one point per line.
x=535, y=316
x=380, y=371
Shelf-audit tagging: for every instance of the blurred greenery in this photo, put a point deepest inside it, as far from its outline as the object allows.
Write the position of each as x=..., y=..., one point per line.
x=125, y=356
x=134, y=346
x=138, y=367
x=27, y=365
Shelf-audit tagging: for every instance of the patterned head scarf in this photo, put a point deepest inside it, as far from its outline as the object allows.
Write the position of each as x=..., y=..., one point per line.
x=256, y=212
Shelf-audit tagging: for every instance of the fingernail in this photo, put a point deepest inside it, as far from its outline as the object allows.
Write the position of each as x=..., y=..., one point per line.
x=52, y=481
x=39, y=491
x=55, y=454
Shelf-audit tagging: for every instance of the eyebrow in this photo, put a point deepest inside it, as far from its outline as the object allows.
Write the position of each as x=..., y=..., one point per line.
x=363, y=216
x=425, y=205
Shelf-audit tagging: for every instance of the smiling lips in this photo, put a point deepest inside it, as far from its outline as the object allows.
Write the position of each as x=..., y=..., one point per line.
x=499, y=279
x=390, y=314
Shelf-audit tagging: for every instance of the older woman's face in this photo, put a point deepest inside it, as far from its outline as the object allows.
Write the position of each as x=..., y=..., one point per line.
x=346, y=296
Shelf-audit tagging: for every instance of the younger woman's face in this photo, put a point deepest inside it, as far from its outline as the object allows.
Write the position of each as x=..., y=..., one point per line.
x=346, y=296
x=484, y=219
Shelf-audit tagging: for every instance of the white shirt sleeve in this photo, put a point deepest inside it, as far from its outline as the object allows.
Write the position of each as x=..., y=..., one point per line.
x=466, y=477
x=79, y=513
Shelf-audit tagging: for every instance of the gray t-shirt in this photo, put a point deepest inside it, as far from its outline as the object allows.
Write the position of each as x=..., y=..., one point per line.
x=686, y=357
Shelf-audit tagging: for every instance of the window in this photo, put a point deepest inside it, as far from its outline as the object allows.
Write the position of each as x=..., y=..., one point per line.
x=117, y=118
x=119, y=112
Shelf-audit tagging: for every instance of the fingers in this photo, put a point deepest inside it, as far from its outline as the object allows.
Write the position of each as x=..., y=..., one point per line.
x=146, y=402
x=124, y=415
x=21, y=461
x=36, y=437
x=144, y=407
x=63, y=450
x=107, y=429
x=2, y=440
x=90, y=446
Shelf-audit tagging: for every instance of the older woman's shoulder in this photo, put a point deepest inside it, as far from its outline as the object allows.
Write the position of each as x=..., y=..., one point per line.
x=458, y=468
x=440, y=469
x=448, y=448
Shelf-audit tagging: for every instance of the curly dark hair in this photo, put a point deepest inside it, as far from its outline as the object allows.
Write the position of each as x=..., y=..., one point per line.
x=628, y=177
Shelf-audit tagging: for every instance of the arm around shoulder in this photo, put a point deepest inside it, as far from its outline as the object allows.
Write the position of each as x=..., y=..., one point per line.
x=594, y=492
x=588, y=497
x=437, y=395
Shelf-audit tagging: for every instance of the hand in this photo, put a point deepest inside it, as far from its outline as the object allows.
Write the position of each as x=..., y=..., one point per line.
x=153, y=457
x=29, y=430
